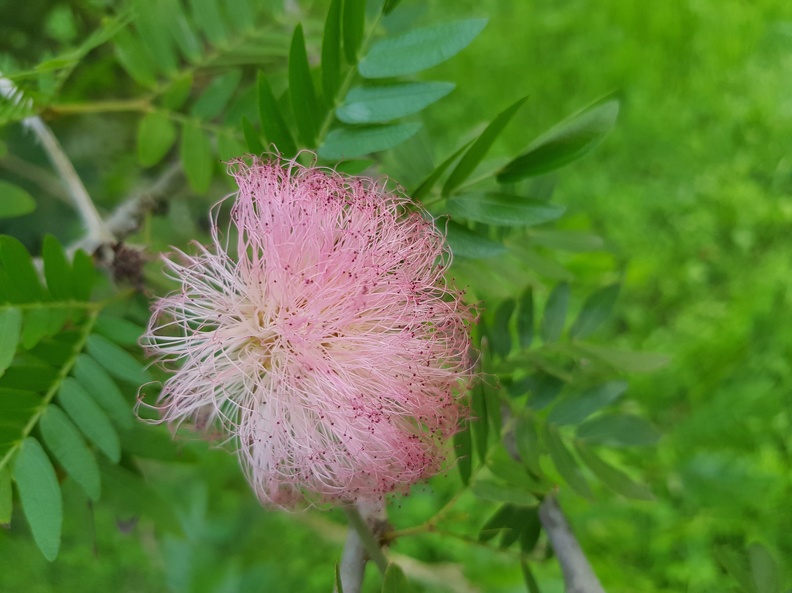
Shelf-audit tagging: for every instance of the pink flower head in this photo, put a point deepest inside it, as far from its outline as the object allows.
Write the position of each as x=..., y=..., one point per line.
x=326, y=344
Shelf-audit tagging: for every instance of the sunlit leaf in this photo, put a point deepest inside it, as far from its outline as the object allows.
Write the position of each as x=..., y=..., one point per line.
x=57, y=269
x=64, y=440
x=378, y=104
x=116, y=361
x=95, y=380
x=118, y=330
x=40, y=496
x=15, y=201
x=10, y=328
x=564, y=143
x=16, y=262
x=418, y=49
x=135, y=59
x=156, y=136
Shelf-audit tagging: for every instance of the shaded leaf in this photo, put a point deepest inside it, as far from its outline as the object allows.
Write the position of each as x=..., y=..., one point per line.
x=355, y=142
x=10, y=328
x=528, y=577
x=272, y=120
x=618, y=430
x=116, y=361
x=624, y=360
x=555, y=312
x=427, y=185
x=178, y=92
x=394, y=581
x=467, y=243
x=565, y=463
x=527, y=441
x=463, y=448
x=6, y=496
x=525, y=318
x=103, y=389
x=216, y=95
x=331, y=53
x=15, y=201
x=500, y=334
x=40, y=496
x=18, y=265
x=301, y=90
x=503, y=466
x=132, y=55
x=489, y=490
x=89, y=418
x=479, y=422
x=737, y=567
x=480, y=147
x=500, y=520
x=57, y=269
x=377, y=104
x=118, y=330
x=354, y=167
x=83, y=275
x=196, y=156
x=566, y=240
x=564, y=143
x=66, y=444
x=573, y=409
x=251, y=137
x=206, y=14
x=353, y=27
x=503, y=209
x=418, y=49
x=596, y=310
x=613, y=478
x=765, y=571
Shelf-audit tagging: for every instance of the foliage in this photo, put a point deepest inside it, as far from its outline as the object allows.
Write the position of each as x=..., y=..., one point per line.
x=560, y=406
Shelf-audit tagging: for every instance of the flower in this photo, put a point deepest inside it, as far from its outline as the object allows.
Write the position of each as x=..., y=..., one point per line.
x=322, y=338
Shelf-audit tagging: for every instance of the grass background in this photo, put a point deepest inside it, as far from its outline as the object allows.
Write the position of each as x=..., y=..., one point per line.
x=693, y=191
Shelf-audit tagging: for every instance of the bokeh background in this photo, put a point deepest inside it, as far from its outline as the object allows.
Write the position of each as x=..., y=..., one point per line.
x=693, y=193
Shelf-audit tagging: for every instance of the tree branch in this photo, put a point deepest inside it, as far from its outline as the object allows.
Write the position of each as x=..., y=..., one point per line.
x=365, y=519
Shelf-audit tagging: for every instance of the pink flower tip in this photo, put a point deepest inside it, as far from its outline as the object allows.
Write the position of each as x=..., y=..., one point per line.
x=320, y=337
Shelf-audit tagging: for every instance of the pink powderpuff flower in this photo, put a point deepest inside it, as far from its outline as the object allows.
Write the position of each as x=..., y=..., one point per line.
x=325, y=345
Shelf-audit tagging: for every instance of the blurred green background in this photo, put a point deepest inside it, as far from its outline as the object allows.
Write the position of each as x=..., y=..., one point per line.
x=693, y=192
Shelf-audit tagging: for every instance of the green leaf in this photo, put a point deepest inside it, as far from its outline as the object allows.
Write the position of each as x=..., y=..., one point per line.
x=527, y=441
x=503, y=209
x=216, y=95
x=389, y=6
x=528, y=577
x=196, y=156
x=564, y=143
x=18, y=265
x=66, y=444
x=523, y=519
x=41, y=322
x=613, y=478
x=501, y=464
x=377, y=104
x=206, y=14
x=353, y=27
x=764, y=569
x=83, y=275
x=116, y=361
x=418, y=49
x=10, y=328
x=40, y=495
x=178, y=92
x=463, y=448
x=565, y=463
x=501, y=519
x=566, y=240
x=6, y=496
x=624, y=360
x=303, y=97
x=57, y=270
x=150, y=442
x=427, y=185
x=118, y=330
x=228, y=147
x=182, y=31
x=595, y=311
x=15, y=201
x=153, y=29
x=355, y=167
x=489, y=490
x=156, y=135
x=480, y=147
x=104, y=391
x=272, y=120
x=251, y=137
x=479, y=423
x=467, y=243
x=241, y=14
x=531, y=530
x=525, y=318
x=555, y=313
x=331, y=53
x=338, y=584
x=394, y=581
x=346, y=143
x=500, y=334
x=89, y=418
x=737, y=567
x=617, y=430
x=576, y=408
x=135, y=59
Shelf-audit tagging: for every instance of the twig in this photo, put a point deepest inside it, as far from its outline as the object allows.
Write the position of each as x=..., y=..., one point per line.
x=579, y=577
x=361, y=544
